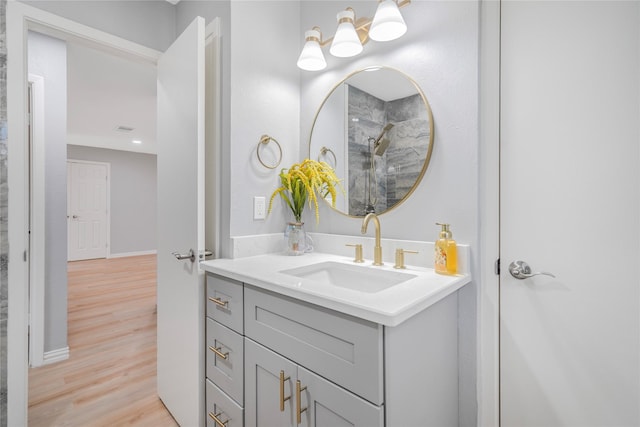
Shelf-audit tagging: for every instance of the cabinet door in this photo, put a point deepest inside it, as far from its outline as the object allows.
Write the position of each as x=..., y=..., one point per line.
x=328, y=405
x=263, y=388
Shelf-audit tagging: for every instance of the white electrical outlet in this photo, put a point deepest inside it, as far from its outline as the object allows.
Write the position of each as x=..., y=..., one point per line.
x=259, y=207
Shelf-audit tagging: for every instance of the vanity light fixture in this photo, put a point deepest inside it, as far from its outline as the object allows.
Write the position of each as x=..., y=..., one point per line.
x=387, y=24
x=311, y=57
x=346, y=42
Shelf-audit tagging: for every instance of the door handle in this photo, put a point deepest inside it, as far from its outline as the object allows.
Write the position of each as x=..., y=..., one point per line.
x=521, y=270
x=191, y=255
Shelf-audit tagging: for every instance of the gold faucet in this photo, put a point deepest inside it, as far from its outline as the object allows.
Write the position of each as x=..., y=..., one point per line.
x=377, y=251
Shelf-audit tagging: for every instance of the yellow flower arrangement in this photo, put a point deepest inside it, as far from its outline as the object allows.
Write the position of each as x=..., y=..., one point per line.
x=306, y=181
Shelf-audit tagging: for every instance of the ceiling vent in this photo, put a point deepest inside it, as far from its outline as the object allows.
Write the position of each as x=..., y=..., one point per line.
x=124, y=129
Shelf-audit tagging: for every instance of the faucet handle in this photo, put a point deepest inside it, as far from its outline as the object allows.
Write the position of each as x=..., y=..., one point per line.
x=358, y=247
x=400, y=257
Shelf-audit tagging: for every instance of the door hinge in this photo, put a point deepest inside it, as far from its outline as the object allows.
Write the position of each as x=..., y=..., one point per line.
x=24, y=256
x=496, y=267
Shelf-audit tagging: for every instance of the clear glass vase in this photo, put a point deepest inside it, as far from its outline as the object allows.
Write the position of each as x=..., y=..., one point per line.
x=297, y=242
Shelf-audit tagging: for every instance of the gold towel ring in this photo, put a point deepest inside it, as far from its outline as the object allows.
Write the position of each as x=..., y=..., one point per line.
x=324, y=151
x=264, y=140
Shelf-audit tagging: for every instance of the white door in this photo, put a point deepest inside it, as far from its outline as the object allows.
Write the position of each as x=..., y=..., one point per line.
x=180, y=226
x=570, y=162
x=87, y=210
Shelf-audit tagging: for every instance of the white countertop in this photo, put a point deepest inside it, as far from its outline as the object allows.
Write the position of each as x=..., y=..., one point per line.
x=388, y=307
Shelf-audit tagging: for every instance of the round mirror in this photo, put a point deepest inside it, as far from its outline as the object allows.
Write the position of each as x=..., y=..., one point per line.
x=376, y=129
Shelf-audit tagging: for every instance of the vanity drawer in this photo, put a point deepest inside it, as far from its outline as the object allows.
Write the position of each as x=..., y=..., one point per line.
x=225, y=359
x=341, y=348
x=221, y=406
x=224, y=301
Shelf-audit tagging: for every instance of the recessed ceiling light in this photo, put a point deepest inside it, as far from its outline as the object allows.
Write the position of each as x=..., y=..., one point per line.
x=136, y=141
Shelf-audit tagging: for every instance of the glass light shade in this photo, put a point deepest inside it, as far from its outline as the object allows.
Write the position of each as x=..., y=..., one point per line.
x=387, y=23
x=311, y=58
x=346, y=41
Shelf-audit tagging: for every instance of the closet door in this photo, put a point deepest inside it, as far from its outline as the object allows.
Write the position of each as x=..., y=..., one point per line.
x=570, y=162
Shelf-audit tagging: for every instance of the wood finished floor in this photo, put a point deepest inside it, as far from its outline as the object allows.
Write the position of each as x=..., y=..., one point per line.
x=110, y=376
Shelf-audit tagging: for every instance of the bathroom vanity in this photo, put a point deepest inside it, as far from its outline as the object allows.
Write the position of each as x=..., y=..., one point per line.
x=318, y=340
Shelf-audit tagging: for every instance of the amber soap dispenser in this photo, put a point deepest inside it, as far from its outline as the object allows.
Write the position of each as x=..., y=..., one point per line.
x=446, y=256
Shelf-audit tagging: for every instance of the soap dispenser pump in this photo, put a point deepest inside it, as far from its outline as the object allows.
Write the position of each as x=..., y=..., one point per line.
x=446, y=253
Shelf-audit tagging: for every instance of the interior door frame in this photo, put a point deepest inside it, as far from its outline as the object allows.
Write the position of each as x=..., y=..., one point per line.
x=107, y=226
x=36, y=254
x=20, y=18
x=488, y=347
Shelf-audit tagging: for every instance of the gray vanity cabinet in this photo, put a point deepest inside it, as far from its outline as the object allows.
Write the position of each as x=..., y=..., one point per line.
x=350, y=371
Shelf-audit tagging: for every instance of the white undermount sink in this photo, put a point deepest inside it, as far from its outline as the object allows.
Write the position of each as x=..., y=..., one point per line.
x=356, y=277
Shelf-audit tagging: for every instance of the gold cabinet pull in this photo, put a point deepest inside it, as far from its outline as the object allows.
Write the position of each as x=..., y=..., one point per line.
x=219, y=302
x=215, y=418
x=282, y=398
x=218, y=353
x=299, y=409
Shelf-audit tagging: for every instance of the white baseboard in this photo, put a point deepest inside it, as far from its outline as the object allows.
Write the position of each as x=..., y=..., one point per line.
x=126, y=254
x=54, y=356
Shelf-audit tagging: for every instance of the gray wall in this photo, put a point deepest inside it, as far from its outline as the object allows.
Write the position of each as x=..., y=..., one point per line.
x=48, y=58
x=133, y=196
x=4, y=206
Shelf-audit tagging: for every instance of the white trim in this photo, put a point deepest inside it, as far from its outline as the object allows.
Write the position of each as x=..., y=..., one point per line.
x=128, y=254
x=488, y=363
x=37, y=253
x=17, y=171
x=19, y=19
x=107, y=237
x=55, y=356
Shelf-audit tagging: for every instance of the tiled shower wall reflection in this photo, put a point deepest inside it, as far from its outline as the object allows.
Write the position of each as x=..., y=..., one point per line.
x=4, y=207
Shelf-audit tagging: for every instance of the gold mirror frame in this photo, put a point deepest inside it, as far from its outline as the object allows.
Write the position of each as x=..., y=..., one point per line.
x=429, y=148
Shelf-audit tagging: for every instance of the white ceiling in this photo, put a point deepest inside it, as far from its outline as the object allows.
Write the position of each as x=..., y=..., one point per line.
x=106, y=91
